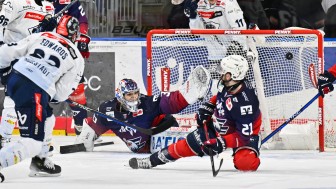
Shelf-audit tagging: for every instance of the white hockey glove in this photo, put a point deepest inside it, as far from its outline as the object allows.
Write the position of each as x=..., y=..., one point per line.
x=197, y=86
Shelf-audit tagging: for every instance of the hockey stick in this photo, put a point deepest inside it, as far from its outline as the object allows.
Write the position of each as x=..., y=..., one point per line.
x=39, y=28
x=290, y=119
x=140, y=129
x=312, y=76
x=66, y=149
x=65, y=8
x=214, y=171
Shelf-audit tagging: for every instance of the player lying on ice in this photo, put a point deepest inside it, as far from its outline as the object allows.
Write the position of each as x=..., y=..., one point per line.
x=132, y=107
x=238, y=120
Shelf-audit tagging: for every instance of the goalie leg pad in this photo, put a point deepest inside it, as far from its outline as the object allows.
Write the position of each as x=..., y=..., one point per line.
x=197, y=86
x=246, y=160
x=8, y=119
x=87, y=136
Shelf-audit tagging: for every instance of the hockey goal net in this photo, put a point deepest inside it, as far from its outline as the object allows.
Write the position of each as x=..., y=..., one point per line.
x=279, y=62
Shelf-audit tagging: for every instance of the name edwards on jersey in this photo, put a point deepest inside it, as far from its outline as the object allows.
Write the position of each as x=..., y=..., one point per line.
x=59, y=49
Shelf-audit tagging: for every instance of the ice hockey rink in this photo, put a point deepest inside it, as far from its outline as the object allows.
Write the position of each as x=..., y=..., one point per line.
x=107, y=167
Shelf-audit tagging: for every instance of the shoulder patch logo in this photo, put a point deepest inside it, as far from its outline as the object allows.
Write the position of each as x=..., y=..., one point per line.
x=228, y=104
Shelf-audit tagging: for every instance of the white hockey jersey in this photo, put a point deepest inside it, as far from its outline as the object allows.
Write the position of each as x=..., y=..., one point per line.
x=20, y=17
x=224, y=14
x=49, y=60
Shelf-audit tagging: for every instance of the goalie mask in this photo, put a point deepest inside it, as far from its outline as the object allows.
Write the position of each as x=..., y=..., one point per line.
x=68, y=27
x=128, y=94
x=237, y=66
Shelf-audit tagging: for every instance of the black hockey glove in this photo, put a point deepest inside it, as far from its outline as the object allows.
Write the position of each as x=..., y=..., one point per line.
x=204, y=113
x=190, y=8
x=4, y=74
x=217, y=145
x=49, y=23
x=83, y=45
x=325, y=83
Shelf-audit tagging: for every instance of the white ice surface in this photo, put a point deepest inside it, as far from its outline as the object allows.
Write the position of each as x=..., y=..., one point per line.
x=107, y=167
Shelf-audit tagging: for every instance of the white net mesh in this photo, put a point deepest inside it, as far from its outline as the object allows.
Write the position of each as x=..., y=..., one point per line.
x=278, y=70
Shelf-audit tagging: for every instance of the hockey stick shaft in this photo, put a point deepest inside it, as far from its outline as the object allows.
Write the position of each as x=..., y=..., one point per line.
x=214, y=171
x=39, y=28
x=73, y=148
x=140, y=129
x=290, y=119
x=67, y=7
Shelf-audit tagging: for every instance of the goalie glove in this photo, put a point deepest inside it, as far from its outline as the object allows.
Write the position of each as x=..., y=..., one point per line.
x=325, y=83
x=197, y=86
x=83, y=45
x=190, y=8
x=204, y=113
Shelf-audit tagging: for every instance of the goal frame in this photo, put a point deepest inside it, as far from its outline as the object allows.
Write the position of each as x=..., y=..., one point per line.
x=293, y=32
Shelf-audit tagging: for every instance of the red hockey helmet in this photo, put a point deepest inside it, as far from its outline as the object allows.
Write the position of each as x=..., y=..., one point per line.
x=68, y=27
x=246, y=160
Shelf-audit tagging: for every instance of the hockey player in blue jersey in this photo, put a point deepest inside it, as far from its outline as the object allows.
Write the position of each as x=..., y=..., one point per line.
x=237, y=123
x=132, y=107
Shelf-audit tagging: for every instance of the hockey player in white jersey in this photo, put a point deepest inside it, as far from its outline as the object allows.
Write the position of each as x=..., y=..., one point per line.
x=215, y=14
x=18, y=19
x=218, y=14
x=48, y=67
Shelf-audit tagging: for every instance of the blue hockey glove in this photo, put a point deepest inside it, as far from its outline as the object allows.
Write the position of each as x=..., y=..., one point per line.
x=325, y=83
x=205, y=112
x=190, y=8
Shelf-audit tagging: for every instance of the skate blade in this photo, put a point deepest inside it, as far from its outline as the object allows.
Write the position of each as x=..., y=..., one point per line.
x=43, y=174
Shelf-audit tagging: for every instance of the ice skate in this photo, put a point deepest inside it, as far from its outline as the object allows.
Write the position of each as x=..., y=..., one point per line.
x=140, y=163
x=44, y=168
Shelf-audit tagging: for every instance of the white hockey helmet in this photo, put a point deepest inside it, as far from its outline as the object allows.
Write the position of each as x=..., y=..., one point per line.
x=128, y=86
x=234, y=64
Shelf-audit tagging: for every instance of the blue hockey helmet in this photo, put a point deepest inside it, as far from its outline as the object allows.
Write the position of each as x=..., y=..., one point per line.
x=128, y=86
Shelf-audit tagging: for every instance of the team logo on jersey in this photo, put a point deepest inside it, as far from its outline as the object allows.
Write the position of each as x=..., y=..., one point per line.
x=125, y=129
x=34, y=16
x=139, y=112
x=135, y=144
x=228, y=104
x=246, y=110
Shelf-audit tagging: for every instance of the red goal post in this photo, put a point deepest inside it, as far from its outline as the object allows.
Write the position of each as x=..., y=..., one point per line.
x=279, y=61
